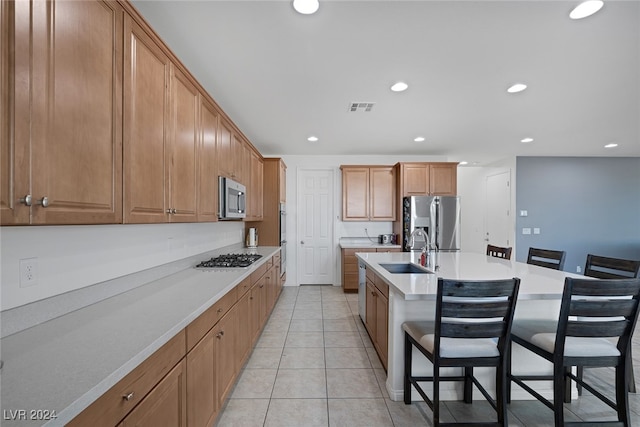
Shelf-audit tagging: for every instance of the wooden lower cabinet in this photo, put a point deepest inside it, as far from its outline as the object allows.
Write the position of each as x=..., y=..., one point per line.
x=224, y=354
x=201, y=383
x=165, y=405
x=186, y=382
x=377, y=315
x=350, y=266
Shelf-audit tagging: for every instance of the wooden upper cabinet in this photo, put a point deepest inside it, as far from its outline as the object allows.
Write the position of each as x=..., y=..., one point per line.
x=443, y=179
x=368, y=193
x=181, y=164
x=146, y=128
x=224, y=147
x=283, y=182
x=382, y=193
x=415, y=178
x=161, y=134
x=207, y=163
x=255, y=202
x=62, y=135
x=424, y=179
x=355, y=193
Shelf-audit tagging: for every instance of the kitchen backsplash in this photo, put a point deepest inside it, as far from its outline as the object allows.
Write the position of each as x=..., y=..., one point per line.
x=69, y=258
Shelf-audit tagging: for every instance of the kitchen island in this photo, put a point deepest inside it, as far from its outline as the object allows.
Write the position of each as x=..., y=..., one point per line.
x=412, y=297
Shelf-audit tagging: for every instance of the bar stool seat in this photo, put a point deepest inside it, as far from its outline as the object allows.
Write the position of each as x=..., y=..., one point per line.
x=423, y=333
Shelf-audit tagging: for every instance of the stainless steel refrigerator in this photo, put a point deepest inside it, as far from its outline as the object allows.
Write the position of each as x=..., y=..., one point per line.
x=438, y=216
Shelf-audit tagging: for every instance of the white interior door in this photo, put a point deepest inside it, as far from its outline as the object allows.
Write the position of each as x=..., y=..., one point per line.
x=498, y=215
x=315, y=227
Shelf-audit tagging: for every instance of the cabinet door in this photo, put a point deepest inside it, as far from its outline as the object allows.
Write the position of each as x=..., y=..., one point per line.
x=243, y=161
x=207, y=168
x=225, y=153
x=201, y=383
x=181, y=164
x=254, y=312
x=382, y=194
x=225, y=333
x=371, y=307
x=165, y=405
x=146, y=112
x=76, y=112
x=245, y=333
x=382, y=327
x=15, y=171
x=415, y=179
x=254, y=210
x=443, y=179
x=355, y=194
x=283, y=182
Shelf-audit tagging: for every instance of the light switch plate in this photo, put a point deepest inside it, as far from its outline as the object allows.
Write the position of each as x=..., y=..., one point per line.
x=524, y=213
x=536, y=231
x=526, y=231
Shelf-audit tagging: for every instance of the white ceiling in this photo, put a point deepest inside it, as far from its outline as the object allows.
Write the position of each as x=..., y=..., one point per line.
x=282, y=76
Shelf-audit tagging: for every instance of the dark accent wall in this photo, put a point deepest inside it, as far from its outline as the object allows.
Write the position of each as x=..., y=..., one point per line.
x=581, y=205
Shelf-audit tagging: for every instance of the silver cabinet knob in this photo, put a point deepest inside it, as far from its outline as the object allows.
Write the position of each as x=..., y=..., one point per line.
x=26, y=200
x=128, y=396
x=171, y=210
x=174, y=210
x=44, y=202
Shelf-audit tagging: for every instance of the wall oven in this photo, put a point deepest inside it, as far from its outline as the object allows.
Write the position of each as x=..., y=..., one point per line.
x=232, y=199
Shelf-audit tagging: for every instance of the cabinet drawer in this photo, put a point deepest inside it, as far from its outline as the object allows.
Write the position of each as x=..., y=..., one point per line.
x=116, y=403
x=258, y=273
x=382, y=286
x=370, y=275
x=243, y=287
x=201, y=325
x=351, y=268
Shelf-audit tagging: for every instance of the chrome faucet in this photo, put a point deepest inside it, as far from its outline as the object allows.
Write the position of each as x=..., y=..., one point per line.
x=425, y=235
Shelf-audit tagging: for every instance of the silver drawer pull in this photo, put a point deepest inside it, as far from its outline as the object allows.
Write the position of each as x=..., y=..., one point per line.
x=128, y=397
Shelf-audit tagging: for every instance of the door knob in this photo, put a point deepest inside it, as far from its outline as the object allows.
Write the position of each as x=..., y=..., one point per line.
x=302, y=242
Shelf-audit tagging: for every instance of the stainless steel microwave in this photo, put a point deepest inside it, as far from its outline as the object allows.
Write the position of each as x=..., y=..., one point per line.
x=232, y=199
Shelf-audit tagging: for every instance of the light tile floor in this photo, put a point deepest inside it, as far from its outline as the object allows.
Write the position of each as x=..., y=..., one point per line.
x=314, y=365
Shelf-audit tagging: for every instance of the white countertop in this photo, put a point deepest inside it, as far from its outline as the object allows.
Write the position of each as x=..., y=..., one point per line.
x=65, y=364
x=535, y=282
x=364, y=242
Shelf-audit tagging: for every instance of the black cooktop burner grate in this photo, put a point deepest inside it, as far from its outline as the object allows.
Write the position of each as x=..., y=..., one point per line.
x=230, y=261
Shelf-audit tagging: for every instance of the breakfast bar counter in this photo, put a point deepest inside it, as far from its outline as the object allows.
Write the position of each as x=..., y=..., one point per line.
x=412, y=296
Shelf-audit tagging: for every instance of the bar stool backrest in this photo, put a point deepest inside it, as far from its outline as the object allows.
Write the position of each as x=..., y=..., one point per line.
x=606, y=308
x=611, y=268
x=546, y=258
x=499, y=251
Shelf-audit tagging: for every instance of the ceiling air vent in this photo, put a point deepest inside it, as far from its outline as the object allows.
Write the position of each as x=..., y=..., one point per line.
x=363, y=107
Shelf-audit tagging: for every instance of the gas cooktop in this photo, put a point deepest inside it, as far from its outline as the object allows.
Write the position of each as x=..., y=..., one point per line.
x=230, y=261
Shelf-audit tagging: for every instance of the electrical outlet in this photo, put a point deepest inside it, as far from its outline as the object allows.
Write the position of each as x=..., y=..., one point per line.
x=578, y=269
x=28, y=272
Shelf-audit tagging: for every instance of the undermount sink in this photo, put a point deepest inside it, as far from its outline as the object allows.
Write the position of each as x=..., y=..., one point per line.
x=404, y=268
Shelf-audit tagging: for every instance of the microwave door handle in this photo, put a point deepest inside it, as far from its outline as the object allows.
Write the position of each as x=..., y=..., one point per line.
x=241, y=206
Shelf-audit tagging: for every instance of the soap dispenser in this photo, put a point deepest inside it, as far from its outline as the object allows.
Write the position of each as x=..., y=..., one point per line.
x=423, y=257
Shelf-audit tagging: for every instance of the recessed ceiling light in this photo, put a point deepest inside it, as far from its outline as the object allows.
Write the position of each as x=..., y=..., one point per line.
x=463, y=163
x=526, y=140
x=306, y=7
x=518, y=87
x=612, y=145
x=312, y=139
x=419, y=139
x=586, y=8
x=399, y=87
